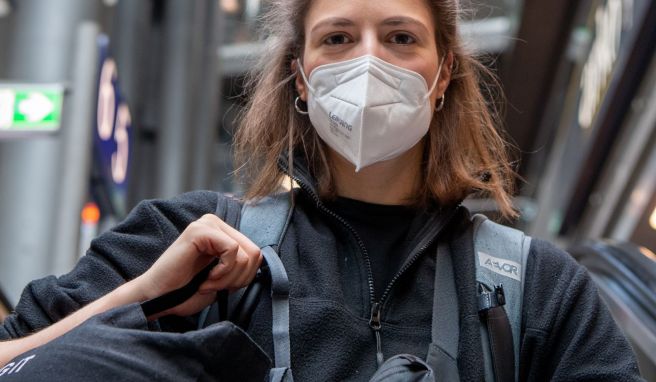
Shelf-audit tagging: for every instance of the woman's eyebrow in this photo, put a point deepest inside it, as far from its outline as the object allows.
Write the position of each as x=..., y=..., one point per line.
x=402, y=20
x=334, y=22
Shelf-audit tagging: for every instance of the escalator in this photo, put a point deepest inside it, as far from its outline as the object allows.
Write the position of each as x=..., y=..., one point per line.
x=626, y=278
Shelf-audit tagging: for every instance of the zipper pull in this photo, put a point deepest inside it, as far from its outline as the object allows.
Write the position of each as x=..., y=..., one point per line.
x=374, y=323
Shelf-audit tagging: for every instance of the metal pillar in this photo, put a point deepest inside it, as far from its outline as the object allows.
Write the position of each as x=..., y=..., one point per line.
x=76, y=143
x=178, y=97
x=30, y=186
x=138, y=61
x=189, y=104
x=205, y=134
x=5, y=28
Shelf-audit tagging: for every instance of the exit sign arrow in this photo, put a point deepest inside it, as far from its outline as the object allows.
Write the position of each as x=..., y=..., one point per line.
x=28, y=108
x=36, y=107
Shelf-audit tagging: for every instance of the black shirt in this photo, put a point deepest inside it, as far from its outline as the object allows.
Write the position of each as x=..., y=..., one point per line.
x=386, y=232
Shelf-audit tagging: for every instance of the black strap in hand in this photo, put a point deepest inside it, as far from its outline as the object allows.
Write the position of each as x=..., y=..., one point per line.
x=178, y=296
x=499, y=332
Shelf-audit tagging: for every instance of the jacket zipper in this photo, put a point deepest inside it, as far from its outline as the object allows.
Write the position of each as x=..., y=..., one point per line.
x=378, y=307
x=375, y=322
x=363, y=249
x=415, y=255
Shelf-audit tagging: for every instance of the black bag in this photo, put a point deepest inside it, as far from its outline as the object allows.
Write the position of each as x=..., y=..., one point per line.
x=121, y=345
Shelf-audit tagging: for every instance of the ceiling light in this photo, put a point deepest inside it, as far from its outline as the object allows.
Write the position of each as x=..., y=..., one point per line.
x=230, y=6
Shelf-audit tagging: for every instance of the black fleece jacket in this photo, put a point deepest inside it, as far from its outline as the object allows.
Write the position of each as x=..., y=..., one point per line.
x=567, y=332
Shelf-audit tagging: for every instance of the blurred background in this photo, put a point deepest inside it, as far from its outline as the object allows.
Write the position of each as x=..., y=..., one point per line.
x=107, y=102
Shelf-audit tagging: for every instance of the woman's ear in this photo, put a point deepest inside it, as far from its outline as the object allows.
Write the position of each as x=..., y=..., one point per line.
x=445, y=74
x=298, y=81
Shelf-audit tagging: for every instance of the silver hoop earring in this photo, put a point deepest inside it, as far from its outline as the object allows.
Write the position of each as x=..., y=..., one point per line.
x=441, y=105
x=298, y=109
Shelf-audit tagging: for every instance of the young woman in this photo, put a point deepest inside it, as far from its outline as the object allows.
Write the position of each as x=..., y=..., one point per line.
x=375, y=110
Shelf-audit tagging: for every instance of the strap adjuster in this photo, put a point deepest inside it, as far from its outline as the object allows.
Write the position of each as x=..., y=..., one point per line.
x=491, y=299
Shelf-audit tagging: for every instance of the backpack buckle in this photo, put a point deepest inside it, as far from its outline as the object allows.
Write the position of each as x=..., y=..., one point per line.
x=488, y=299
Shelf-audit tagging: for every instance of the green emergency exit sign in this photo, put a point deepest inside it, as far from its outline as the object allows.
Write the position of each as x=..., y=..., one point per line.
x=28, y=108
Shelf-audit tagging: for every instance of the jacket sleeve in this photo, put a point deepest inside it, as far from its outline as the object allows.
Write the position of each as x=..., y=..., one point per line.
x=117, y=256
x=568, y=332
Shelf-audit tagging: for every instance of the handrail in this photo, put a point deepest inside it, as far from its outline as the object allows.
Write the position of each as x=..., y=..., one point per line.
x=624, y=265
x=626, y=279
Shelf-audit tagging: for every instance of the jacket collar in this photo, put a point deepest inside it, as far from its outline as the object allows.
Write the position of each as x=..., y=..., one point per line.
x=301, y=172
x=303, y=176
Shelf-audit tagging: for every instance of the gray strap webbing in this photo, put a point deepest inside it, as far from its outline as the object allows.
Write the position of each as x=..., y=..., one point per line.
x=280, y=308
x=280, y=374
x=265, y=222
x=445, y=330
x=501, y=255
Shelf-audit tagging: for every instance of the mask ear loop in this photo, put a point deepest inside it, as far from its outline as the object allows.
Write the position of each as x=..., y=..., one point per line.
x=300, y=69
x=437, y=78
x=305, y=80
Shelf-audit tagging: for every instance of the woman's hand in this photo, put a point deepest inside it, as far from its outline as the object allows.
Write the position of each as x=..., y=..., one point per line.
x=202, y=241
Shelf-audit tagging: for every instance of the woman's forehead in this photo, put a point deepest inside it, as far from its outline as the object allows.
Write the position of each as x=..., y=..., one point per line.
x=357, y=12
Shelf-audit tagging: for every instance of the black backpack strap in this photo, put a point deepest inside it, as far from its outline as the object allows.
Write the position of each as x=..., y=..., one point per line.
x=445, y=330
x=499, y=333
x=228, y=209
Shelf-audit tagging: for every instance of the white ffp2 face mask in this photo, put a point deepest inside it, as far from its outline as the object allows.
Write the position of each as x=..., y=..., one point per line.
x=367, y=109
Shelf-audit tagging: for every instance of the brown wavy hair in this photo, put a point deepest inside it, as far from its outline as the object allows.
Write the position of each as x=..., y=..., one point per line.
x=463, y=153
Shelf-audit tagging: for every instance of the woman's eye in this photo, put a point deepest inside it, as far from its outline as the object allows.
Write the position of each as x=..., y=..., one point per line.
x=402, y=39
x=337, y=39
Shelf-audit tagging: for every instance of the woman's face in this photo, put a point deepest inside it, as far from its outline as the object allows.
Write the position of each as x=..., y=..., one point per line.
x=401, y=32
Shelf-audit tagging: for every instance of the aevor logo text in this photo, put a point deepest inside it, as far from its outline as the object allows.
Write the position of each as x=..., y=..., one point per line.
x=503, y=267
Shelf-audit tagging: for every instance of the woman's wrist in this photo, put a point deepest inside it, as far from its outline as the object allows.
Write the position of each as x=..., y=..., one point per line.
x=4, y=354
x=130, y=292
x=11, y=349
x=141, y=289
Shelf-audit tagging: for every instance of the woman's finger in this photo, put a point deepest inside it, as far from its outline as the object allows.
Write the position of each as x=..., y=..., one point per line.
x=241, y=275
x=239, y=256
x=245, y=243
x=241, y=241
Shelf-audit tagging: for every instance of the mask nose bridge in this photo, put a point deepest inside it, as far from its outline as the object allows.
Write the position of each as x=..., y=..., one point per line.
x=374, y=70
x=388, y=79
